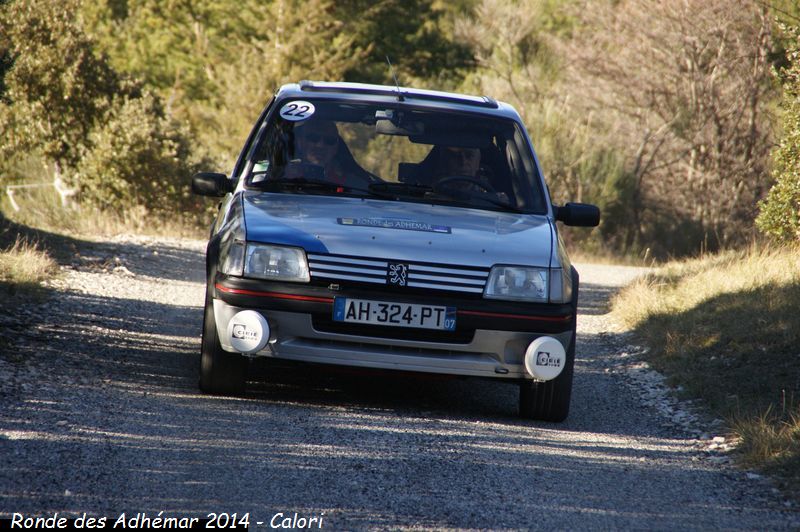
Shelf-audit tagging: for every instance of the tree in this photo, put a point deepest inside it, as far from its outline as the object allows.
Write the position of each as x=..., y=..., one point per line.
x=5, y=61
x=56, y=88
x=415, y=34
x=217, y=62
x=685, y=88
x=517, y=48
x=66, y=102
x=171, y=45
x=780, y=211
x=512, y=48
x=136, y=157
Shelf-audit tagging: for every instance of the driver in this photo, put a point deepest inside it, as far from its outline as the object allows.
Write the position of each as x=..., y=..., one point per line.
x=459, y=161
x=318, y=143
x=453, y=162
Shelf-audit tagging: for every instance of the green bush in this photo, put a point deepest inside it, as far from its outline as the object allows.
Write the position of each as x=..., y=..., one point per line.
x=780, y=211
x=65, y=103
x=56, y=87
x=137, y=157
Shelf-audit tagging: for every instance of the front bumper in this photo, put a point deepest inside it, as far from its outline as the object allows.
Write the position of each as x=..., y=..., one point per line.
x=490, y=344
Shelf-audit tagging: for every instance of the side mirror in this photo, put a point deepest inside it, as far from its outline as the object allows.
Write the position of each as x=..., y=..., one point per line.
x=578, y=214
x=211, y=184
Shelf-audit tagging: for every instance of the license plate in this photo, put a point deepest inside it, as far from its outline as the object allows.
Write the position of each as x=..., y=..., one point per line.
x=394, y=314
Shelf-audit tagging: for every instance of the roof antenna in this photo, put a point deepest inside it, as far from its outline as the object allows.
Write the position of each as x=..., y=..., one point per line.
x=391, y=69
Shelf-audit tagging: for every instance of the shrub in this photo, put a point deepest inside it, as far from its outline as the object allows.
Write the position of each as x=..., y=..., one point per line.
x=780, y=211
x=137, y=157
x=64, y=100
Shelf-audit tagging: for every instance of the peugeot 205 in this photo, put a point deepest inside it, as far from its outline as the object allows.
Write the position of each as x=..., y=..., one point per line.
x=393, y=228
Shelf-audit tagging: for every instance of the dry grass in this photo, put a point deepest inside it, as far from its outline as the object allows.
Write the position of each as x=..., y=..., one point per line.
x=43, y=232
x=42, y=210
x=680, y=286
x=23, y=267
x=726, y=328
x=771, y=442
x=25, y=264
x=582, y=255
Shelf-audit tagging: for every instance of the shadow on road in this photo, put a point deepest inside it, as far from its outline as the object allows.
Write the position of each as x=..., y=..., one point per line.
x=102, y=414
x=594, y=299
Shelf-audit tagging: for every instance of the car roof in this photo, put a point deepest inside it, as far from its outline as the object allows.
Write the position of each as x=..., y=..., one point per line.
x=389, y=93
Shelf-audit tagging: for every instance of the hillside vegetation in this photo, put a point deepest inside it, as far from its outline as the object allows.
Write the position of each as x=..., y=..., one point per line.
x=726, y=329
x=669, y=130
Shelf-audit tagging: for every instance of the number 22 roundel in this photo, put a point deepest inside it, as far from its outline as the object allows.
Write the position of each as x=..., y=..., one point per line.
x=297, y=110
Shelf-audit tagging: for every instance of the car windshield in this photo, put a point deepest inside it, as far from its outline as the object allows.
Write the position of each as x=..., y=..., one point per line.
x=395, y=152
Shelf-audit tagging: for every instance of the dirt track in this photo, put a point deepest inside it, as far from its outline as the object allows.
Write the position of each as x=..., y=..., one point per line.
x=100, y=413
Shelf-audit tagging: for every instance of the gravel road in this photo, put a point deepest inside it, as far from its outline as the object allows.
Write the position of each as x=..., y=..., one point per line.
x=100, y=413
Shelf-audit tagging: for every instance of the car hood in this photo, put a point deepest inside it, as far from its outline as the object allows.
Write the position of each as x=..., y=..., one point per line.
x=397, y=230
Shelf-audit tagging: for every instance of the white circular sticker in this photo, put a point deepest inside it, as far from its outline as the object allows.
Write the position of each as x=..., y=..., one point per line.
x=248, y=332
x=545, y=358
x=297, y=110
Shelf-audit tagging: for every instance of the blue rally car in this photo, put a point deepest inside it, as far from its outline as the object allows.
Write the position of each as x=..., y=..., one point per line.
x=395, y=228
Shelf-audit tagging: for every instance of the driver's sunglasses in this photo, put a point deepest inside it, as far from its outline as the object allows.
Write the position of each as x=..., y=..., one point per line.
x=316, y=138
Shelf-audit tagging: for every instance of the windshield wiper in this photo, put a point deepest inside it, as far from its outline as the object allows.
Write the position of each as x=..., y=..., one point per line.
x=301, y=183
x=385, y=190
x=400, y=189
x=380, y=190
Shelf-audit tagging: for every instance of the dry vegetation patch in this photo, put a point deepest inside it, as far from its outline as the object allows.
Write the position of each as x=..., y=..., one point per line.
x=25, y=264
x=43, y=234
x=41, y=210
x=726, y=329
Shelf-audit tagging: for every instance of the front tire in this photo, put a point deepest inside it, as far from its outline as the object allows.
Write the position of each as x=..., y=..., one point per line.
x=549, y=401
x=221, y=373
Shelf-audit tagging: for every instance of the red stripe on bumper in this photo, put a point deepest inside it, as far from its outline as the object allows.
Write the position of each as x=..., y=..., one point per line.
x=275, y=295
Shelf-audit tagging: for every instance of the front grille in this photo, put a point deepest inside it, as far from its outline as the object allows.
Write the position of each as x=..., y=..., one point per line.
x=326, y=324
x=468, y=279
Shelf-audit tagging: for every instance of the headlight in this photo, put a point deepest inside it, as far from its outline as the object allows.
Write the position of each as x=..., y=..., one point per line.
x=276, y=263
x=517, y=283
